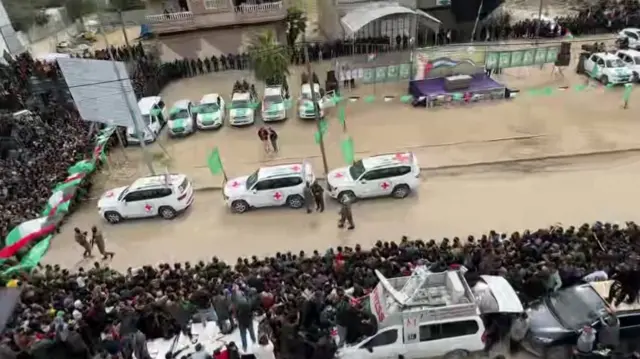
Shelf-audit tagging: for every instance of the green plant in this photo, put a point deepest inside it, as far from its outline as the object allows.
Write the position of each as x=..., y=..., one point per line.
x=270, y=60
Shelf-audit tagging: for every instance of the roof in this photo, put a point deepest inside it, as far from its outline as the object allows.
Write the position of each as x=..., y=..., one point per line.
x=606, y=55
x=241, y=96
x=273, y=91
x=630, y=29
x=210, y=98
x=630, y=52
x=602, y=288
x=181, y=104
x=361, y=16
x=156, y=181
x=386, y=160
x=146, y=103
x=280, y=170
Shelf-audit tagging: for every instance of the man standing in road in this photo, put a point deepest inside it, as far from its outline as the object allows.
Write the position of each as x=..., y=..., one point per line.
x=308, y=197
x=98, y=239
x=263, y=134
x=273, y=137
x=81, y=239
x=318, y=196
x=346, y=215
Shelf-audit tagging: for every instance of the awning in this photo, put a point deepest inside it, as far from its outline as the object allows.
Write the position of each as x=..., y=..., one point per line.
x=361, y=16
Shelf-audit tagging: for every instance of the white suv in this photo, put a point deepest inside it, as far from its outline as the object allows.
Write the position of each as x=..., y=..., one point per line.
x=269, y=187
x=161, y=195
x=393, y=175
x=274, y=107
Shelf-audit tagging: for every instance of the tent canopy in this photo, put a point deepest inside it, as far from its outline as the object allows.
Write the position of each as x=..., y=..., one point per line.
x=355, y=19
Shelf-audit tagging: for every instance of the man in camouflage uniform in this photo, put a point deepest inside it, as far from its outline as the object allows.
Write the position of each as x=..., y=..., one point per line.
x=98, y=240
x=346, y=215
x=81, y=239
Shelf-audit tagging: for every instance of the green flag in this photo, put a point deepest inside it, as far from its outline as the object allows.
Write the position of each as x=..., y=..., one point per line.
x=580, y=88
x=317, y=137
x=214, y=163
x=342, y=116
x=457, y=96
x=594, y=72
x=347, y=150
x=324, y=126
x=369, y=99
x=336, y=99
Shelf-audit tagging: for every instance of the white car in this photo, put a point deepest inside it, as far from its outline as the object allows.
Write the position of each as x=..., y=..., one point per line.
x=607, y=68
x=633, y=35
x=393, y=175
x=162, y=195
x=631, y=58
x=305, y=103
x=154, y=117
x=211, y=112
x=241, y=111
x=269, y=187
x=274, y=104
x=181, y=118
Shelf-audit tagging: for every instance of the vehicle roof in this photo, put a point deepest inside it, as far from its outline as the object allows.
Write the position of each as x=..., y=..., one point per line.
x=606, y=55
x=146, y=103
x=273, y=91
x=388, y=160
x=602, y=288
x=157, y=181
x=307, y=87
x=184, y=103
x=241, y=96
x=281, y=170
x=630, y=52
x=630, y=29
x=210, y=98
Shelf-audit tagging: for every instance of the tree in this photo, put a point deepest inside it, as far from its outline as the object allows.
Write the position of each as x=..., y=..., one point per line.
x=270, y=60
x=120, y=6
x=296, y=22
x=78, y=9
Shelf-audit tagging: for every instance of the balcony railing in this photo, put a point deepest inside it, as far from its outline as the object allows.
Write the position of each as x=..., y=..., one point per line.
x=243, y=14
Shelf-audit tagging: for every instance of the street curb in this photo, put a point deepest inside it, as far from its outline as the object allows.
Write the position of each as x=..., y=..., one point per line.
x=492, y=163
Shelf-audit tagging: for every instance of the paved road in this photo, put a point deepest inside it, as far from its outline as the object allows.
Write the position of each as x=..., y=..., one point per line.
x=448, y=204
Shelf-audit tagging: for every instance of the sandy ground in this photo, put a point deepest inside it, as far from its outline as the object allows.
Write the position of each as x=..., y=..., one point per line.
x=448, y=204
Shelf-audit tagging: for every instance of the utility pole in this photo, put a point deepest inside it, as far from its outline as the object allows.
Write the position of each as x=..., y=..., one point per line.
x=316, y=110
x=140, y=134
x=539, y=21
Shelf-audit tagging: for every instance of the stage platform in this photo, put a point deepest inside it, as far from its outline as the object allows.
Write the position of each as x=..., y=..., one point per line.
x=431, y=92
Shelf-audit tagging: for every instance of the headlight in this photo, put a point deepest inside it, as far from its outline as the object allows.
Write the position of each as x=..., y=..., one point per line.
x=543, y=340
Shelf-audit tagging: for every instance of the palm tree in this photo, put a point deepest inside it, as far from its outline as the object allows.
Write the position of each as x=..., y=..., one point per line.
x=269, y=59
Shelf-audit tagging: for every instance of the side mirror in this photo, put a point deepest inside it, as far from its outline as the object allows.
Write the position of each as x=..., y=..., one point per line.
x=254, y=191
x=370, y=349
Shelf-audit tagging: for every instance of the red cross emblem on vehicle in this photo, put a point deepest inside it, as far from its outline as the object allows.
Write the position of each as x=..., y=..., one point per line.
x=385, y=185
x=147, y=207
x=277, y=196
x=402, y=157
x=296, y=168
x=109, y=194
x=235, y=184
x=338, y=175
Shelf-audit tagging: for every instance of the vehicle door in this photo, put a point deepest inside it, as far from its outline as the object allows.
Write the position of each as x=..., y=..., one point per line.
x=223, y=112
x=377, y=182
x=327, y=100
x=387, y=344
x=600, y=64
x=589, y=65
x=157, y=198
x=633, y=38
x=133, y=204
x=285, y=187
x=443, y=338
x=262, y=193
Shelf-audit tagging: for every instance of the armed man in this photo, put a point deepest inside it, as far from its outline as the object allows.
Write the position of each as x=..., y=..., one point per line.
x=346, y=215
x=318, y=196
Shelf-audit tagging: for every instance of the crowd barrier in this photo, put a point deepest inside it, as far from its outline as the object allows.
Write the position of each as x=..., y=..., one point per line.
x=57, y=207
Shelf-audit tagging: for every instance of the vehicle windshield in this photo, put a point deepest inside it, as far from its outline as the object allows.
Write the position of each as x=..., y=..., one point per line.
x=239, y=104
x=636, y=60
x=208, y=107
x=273, y=99
x=577, y=306
x=123, y=193
x=146, y=119
x=357, y=170
x=615, y=63
x=179, y=114
x=252, y=179
x=307, y=96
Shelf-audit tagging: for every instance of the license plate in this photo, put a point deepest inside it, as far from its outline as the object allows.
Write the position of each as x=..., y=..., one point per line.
x=178, y=130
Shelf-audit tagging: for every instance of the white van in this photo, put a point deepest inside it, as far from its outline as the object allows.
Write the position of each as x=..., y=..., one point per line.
x=154, y=117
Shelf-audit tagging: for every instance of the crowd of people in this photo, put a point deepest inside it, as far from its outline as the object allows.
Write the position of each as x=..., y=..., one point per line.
x=98, y=311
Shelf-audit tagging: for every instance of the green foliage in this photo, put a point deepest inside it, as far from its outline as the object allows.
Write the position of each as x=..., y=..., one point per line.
x=270, y=60
x=76, y=9
x=296, y=22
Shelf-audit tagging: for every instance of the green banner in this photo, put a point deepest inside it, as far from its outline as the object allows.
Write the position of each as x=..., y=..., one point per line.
x=368, y=76
x=518, y=58
x=392, y=72
x=405, y=71
x=381, y=74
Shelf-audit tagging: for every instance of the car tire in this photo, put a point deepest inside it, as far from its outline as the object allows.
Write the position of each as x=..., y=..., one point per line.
x=400, y=191
x=346, y=195
x=296, y=201
x=113, y=217
x=239, y=206
x=167, y=212
x=457, y=354
x=604, y=79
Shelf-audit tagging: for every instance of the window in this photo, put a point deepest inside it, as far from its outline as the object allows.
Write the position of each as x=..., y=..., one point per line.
x=179, y=114
x=599, y=61
x=398, y=171
x=265, y=185
x=377, y=174
x=158, y=193
x=252, y=179
x=215, y=4
x=384, y=338
x=615, y=63
x=287, y=182
x=448, y=330
x=161, y=104
x=631, y=35
x=136, y=196
x=357, y=170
